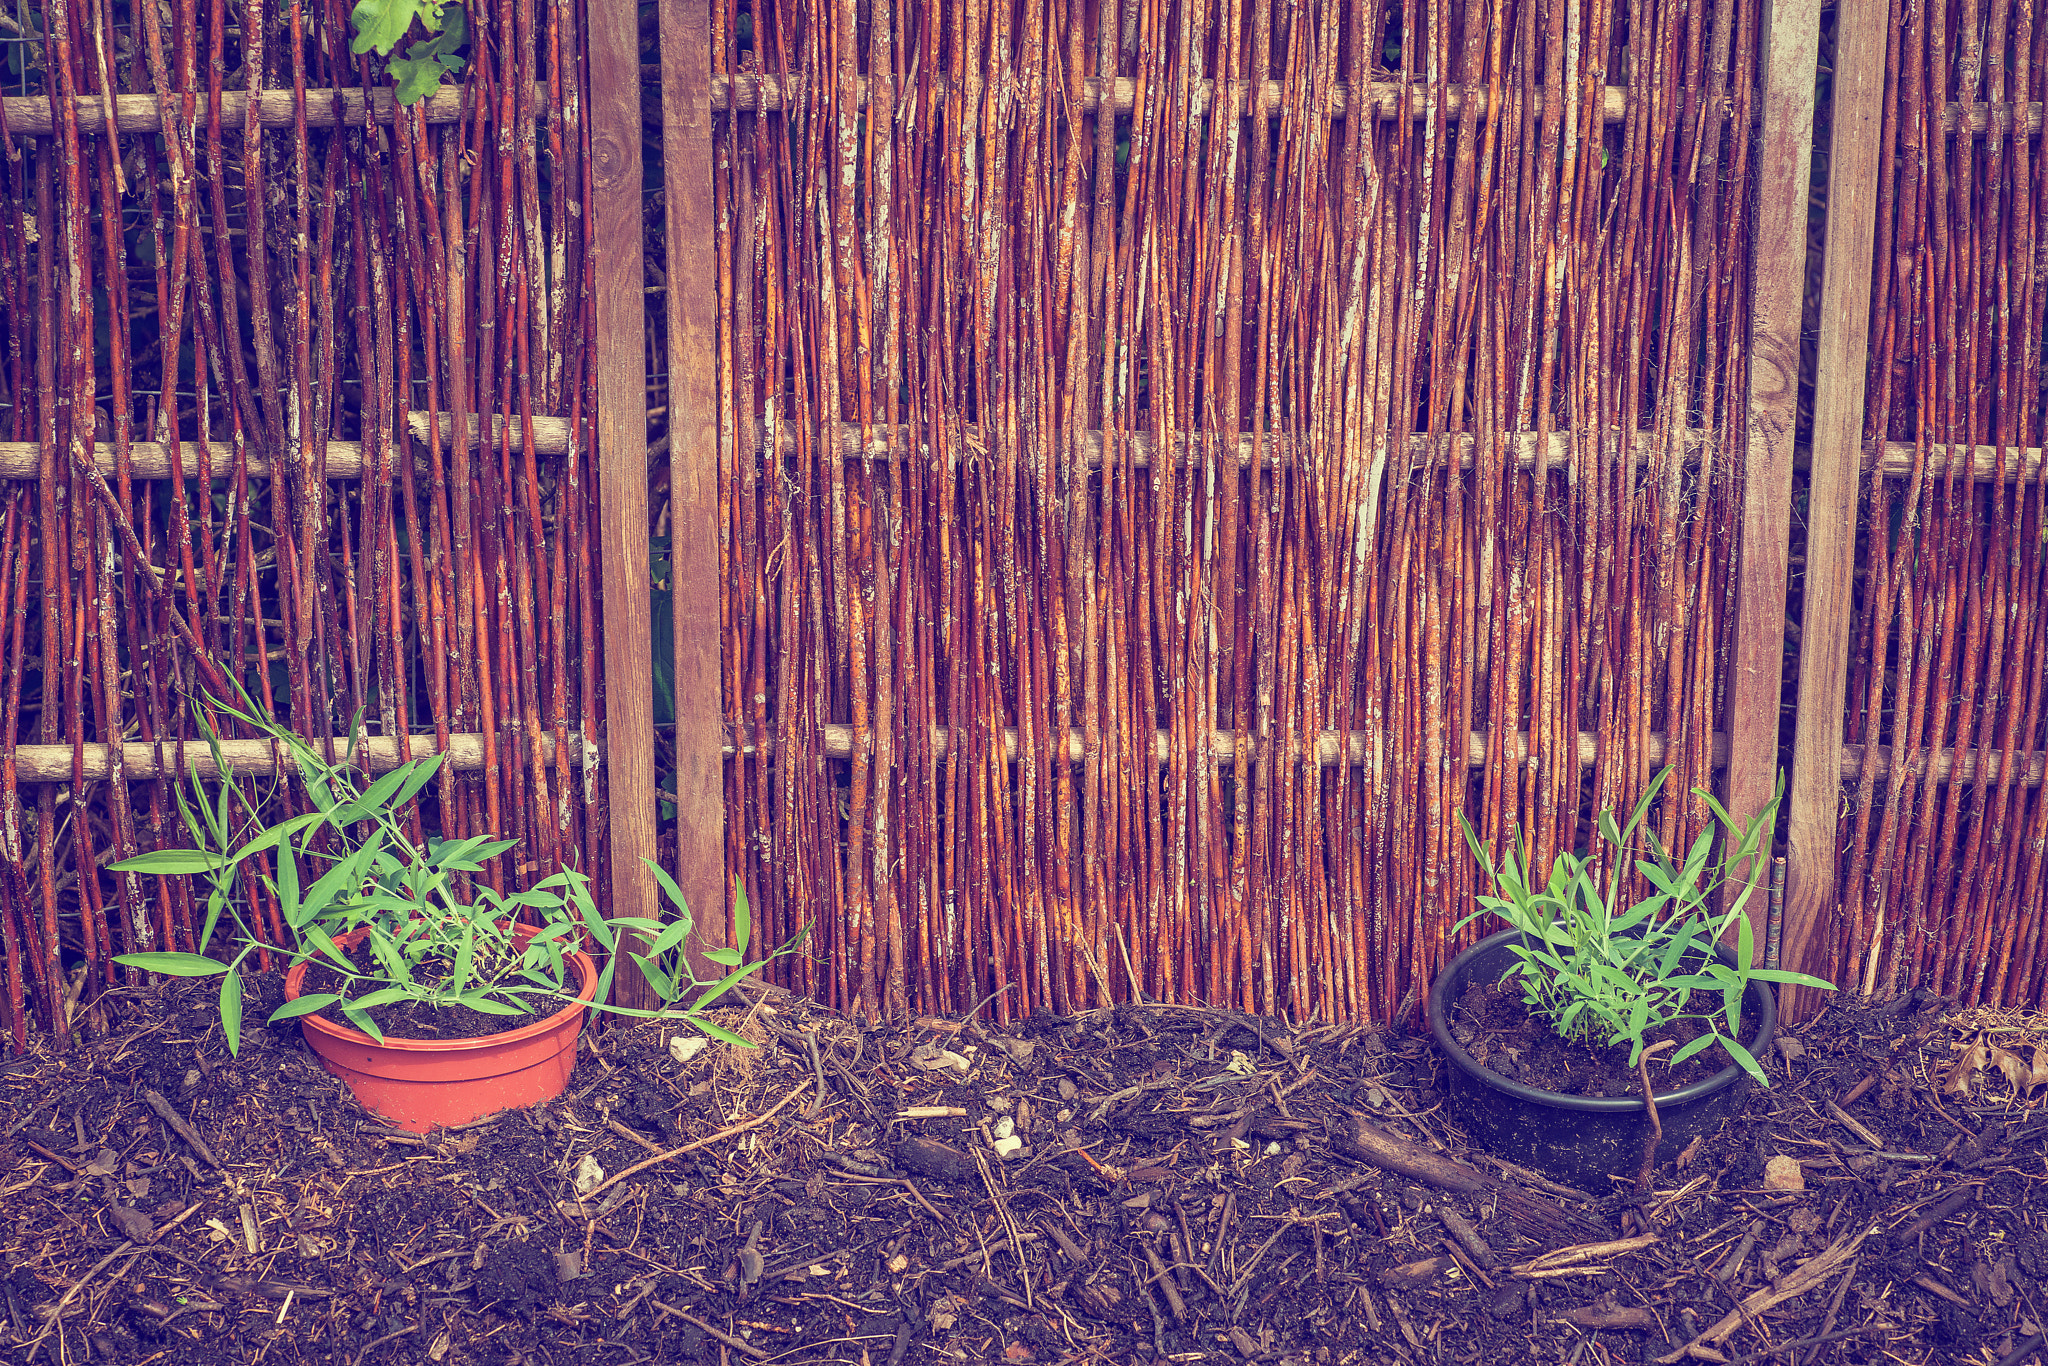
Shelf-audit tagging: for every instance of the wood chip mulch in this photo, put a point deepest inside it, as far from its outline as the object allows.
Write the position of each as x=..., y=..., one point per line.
x=1191, y=1186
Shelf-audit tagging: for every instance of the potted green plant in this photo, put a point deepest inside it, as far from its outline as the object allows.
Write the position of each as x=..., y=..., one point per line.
x=1639, y=977
x=431, y=998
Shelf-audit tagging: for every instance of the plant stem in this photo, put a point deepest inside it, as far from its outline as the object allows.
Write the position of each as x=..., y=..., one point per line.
x=1649, y=1164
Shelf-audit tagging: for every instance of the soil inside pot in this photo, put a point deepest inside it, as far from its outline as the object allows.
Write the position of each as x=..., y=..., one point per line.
x=417, y=1019
x=1503, y=1035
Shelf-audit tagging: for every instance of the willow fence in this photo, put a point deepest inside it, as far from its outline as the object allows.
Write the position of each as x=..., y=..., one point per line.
x=1068, y=499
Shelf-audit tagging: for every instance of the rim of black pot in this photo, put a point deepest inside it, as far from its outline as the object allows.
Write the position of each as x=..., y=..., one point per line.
x=1440, y=1025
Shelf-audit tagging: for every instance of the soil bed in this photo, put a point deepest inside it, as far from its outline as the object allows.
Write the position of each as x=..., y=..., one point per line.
x=1195, y=1186
x=1494, y=1023
x=419, y=1019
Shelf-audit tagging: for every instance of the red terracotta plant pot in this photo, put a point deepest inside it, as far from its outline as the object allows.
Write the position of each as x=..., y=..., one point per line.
x=419, y=1084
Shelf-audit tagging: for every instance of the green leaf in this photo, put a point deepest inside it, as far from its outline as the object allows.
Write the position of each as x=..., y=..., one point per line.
x=669, y=888
x=286, y=884
x=419, y=77
x=319, y=939
x=742, y=918
x=383, y=996
x=376, y=797
x=671, y=938
x=488, y=1004
x=1699, y=1045
x=344, y=876
x=1742, y=1056
x=278, y=834
x=172, y=964
x=170, y=862
x=216, y=902
x=467, y=855
x=362, y=1021
x=380, y=24
x=303, y=1005
x=231, y=1012
x=664, y=986
x=1790, y=979
x=725, y=958
x=465, y=959
x=722, y=1035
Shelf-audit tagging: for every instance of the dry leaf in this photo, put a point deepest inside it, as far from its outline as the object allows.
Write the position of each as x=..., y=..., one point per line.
x=2015, y=1068
x=1957, y=1082
x=2037, y=1075
x=1692, y=1150
x=133, y=1223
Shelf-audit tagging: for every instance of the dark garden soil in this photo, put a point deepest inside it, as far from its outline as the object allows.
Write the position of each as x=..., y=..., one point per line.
x=417, y=1019
x=1494, y=1023
x=1195, y=1186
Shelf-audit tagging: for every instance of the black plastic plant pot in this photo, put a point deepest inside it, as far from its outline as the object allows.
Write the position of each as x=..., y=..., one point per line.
x=1580, y=1140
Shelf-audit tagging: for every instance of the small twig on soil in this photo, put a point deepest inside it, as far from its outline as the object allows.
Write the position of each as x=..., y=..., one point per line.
x=1648, y=1167
x=1948, y=1205
x=729, y=1131
x=1009, y=1226
x=1827, y=1325
x=1381, y=1149
x=1583, y=1253
x=1467, y=1235
x=2025, y=1350
x=1471, y=1267
x=1413, y=1275
x=817, y=1072
x=1868, y=1330
x=65, y=1163
x=1594, y=1316
x=1741, y=1253
x=1162, y=1276
x=57, y=1314
x=185, y=1131
x=740, y=1345
x=627, y=1132
x=1790, y=1286
x=1115, y=1098
x=374, y=1343
x=1854, y=1126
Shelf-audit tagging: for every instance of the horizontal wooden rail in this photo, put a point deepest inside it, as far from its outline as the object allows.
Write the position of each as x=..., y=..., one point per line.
x=1896, y=457
x=257, y=759
x=254, y=758
x=1946, y=765
x=30, y=115
x=2020, y=463
x=345, y=460
x=752, y=94
x=1330, y=748
x=2013, y=117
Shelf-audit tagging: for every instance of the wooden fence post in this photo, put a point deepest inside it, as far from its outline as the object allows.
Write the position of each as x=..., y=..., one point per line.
x=621, y=358
x=1840, y=364
x=1783, y=176
x=691, y=270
